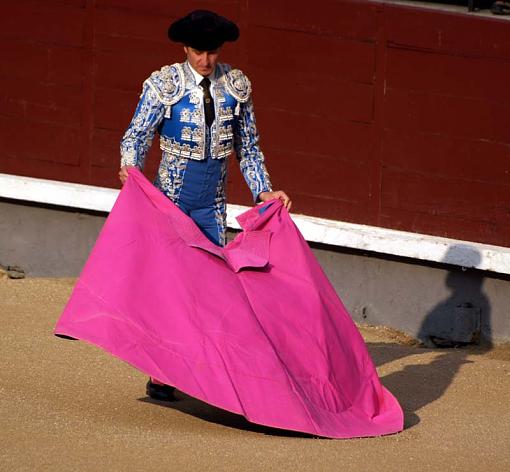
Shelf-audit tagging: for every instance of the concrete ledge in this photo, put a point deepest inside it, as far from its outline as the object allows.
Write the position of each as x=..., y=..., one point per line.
x=336, y=233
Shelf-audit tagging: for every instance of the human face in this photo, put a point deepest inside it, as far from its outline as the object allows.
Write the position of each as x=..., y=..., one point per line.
x=203, y=62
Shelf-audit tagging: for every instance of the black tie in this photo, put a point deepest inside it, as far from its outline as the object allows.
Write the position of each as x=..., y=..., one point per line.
x=208, y=102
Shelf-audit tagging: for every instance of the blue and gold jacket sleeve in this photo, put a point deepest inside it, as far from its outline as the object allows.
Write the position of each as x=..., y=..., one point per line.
x=251, y=158
x=138, y=137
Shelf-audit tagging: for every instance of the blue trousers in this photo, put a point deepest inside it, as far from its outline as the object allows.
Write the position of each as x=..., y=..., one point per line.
x=201, y=197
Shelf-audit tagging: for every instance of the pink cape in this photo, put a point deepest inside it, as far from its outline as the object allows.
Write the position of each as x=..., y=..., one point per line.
x=255, y=327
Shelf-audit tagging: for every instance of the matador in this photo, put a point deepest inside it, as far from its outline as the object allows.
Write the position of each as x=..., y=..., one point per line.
x=203, y=111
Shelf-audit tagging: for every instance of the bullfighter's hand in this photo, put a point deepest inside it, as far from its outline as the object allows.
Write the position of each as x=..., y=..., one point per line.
x=123, y=173
x=265, y=196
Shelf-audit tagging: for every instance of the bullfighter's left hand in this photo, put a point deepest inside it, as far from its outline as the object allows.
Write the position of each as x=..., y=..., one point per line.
x=265, y=196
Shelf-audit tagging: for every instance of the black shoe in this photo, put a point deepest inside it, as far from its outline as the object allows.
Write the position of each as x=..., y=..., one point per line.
x=163, y=393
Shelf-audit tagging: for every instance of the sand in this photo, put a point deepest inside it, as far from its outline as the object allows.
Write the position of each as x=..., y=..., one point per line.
x=67, y=405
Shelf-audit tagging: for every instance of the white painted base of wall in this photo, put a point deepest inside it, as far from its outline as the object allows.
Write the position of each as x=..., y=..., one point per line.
x=337, y=233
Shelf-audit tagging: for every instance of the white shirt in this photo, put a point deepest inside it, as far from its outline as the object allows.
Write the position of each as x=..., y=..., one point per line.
x=212, y=77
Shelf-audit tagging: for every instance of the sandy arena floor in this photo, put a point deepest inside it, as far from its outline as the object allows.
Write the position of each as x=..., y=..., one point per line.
x=69, y=406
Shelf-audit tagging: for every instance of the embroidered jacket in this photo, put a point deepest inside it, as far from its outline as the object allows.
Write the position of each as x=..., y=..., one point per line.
x=171, y=103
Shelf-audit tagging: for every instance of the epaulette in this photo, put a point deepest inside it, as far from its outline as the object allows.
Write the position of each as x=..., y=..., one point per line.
x=168, y=84
x=238, y=85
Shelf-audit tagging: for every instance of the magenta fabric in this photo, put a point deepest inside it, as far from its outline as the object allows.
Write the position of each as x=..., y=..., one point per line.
x=255, y=327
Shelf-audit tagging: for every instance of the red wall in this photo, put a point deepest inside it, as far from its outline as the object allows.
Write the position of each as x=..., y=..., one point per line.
x=368, y=112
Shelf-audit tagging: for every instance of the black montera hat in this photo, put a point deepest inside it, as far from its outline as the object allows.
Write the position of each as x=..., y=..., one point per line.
x=203, y=30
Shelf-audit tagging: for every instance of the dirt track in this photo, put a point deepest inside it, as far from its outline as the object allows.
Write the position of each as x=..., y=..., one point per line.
x=66, y=405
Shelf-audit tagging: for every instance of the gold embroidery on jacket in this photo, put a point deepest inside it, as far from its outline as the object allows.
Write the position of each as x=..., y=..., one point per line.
x=185, y=115
x=186, y=133
x=177, y=149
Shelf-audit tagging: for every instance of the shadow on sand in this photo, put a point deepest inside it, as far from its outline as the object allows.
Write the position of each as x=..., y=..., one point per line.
x=204, y=411
x=423, y=381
